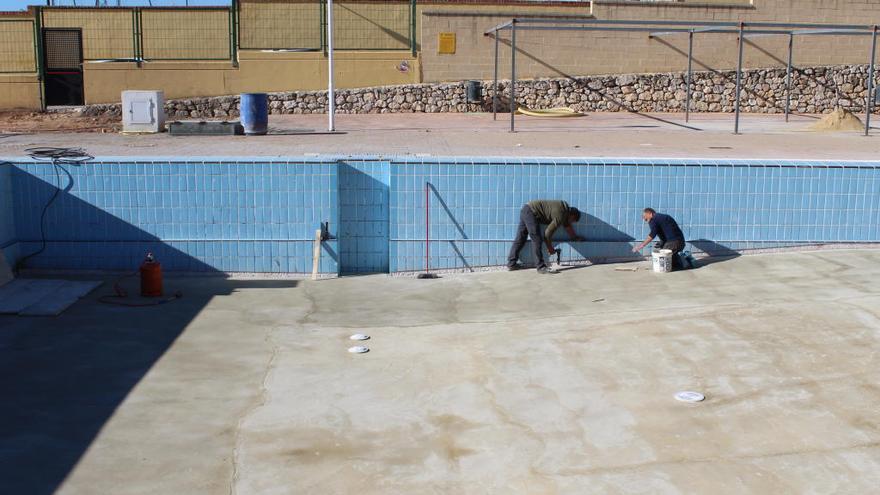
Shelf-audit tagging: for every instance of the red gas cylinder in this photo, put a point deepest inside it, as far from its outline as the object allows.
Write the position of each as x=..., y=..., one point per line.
x=151, y=277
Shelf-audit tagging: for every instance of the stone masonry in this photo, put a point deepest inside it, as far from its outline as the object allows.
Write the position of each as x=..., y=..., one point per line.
x=814, y=90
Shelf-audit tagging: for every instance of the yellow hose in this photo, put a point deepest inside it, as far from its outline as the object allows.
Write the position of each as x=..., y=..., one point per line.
x=550, y=112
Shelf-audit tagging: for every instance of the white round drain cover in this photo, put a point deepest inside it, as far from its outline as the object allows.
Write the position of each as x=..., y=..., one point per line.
x=688, y=396
x=359, y=336
x=358, y=349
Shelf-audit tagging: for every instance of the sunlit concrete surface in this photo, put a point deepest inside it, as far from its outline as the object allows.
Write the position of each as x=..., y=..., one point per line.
x=508, y=383
x=596, y=135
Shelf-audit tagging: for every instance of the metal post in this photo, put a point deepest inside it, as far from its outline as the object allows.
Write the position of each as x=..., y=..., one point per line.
x=38, y=56
x=687, y=99
x=412, y=27
x=869, y=100
x=788, y=77
x=739, y=64
x=233, y=33
x=495, y=84
x=512, y=74
x=331, y=93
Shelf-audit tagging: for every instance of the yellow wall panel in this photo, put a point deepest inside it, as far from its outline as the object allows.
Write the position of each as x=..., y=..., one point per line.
x=17, y=46
x=185, y=34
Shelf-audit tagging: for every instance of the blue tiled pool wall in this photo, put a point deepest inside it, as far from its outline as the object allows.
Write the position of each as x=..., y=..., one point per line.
x=195, y=217
x=8, y=242
x=235, y=216
x=474, y=207
x=363, y=216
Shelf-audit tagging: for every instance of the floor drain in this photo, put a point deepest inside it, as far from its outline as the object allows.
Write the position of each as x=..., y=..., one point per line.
x=359, y=336
x=688, y=396
x=358, y=349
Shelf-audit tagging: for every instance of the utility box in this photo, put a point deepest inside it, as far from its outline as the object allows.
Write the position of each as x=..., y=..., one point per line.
x=143, y=111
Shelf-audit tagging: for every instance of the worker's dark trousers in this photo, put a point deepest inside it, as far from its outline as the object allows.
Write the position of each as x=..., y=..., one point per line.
x=676, y=247
x=528, y=227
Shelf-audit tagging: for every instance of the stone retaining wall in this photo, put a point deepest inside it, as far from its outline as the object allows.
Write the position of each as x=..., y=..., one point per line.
x=814, y=90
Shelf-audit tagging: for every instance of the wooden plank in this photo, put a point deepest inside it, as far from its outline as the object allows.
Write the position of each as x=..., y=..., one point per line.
x=55, y=302
x=316, y=255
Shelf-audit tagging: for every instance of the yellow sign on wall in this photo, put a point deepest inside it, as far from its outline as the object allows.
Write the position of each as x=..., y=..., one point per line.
x=446, y=44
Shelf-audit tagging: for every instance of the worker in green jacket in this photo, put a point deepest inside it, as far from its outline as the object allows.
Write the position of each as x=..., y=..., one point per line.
x=553, y=214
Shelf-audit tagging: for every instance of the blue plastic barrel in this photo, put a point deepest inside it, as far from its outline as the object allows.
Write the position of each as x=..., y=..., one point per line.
x=255, y=113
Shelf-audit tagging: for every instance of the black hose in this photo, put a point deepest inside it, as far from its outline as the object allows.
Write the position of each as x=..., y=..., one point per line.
x=58, y=157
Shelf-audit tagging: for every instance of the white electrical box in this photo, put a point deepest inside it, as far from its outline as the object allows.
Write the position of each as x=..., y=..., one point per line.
x=143, y=111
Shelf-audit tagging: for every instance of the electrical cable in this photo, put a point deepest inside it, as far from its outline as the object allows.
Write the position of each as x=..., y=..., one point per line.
x=58, y=158
x=120, y=293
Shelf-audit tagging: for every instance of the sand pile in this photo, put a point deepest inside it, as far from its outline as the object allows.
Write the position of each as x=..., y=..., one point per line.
x=838, y=120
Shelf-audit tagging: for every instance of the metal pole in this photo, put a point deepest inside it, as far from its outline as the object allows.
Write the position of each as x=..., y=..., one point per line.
x=512, y=74
x=788, y=77
x=739, y=64
x=869, y=100
x=687, y=100
x=427, y=229
x=412, y=27
x=495, y=84
x=39, y=54
x=331, y=93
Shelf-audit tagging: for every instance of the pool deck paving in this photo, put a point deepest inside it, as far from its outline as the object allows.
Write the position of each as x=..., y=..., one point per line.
x=494, y=382
x=596, y=135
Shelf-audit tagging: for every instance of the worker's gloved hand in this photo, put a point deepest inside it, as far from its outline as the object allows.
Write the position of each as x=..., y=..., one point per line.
x=636, y=249
x=551, y=250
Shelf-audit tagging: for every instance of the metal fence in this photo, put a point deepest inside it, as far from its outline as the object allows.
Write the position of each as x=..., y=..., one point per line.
x=149, y=33
x=18, y=52
x=211, y=33
x=191, y=34
x=107, y=33
x=281, y=25
x=300, y=25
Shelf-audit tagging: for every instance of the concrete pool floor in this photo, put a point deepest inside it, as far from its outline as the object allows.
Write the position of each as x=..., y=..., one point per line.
x=479, y=383
x=596, y=135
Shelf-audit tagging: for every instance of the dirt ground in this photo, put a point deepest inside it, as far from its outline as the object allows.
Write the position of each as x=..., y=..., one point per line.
x=27, y=122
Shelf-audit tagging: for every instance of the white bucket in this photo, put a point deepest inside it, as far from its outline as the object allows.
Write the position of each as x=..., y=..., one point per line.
x=662, y=260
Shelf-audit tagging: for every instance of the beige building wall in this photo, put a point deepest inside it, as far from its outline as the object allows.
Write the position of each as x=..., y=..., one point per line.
x=559, y=53
x=380, y=32
x=19, y=91
x=19, y=87
x=257, y=72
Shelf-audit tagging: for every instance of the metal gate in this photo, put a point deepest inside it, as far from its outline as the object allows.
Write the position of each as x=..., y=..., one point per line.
x=63, y=62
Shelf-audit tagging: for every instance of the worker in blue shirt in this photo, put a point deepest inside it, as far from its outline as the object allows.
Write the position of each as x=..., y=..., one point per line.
x=666, y=228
